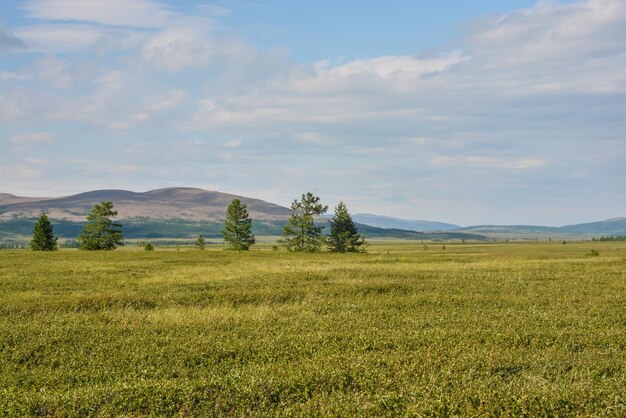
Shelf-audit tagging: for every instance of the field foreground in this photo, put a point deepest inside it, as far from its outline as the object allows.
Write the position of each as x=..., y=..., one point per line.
x=473, y=329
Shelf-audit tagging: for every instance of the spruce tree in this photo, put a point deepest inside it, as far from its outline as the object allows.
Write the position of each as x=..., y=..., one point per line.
x=200, y=242
x=238, y=227
x=301, y=233
x=43, y=235
x=101, y=233
x=344, y=236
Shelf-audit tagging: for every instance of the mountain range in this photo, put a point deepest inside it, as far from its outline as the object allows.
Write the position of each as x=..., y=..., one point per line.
x=180, y=203
x=179, y=212
x=185, y=212
x=411, y=225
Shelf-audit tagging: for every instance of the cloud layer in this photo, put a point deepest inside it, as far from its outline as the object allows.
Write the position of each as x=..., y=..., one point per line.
x=522, y=119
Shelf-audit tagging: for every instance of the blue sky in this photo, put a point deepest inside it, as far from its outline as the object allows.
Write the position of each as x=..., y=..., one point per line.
x=466, y=112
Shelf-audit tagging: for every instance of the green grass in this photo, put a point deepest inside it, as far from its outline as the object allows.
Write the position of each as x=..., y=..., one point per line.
x=476, y=329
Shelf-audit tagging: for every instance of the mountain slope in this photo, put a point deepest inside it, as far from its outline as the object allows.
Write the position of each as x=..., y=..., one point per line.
x=171, y=203
x=614, y=226
x=397, y=223
x=165, y=213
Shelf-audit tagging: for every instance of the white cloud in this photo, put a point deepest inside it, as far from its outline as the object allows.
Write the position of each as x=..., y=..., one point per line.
x=59, y=38
x=490, y=162
x=177, y=48
x=181, y=47
x=391, y=66
x=507, y=102
x=11, y=76
x=169, y=100
x=33, y=137
x=214, y=10
x=135, y=13
x=232, y=144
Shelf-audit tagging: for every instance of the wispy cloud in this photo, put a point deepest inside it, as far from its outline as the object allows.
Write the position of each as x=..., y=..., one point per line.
x=490, y=162
x=33, y=137
x=136, y=13
x=504, y=102
x=215, y=10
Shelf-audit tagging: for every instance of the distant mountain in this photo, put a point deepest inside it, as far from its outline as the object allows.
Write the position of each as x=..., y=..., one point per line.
x=179, y=203
x=186, y=212
x=165, y=213
x=614, y=226
x=411, y=225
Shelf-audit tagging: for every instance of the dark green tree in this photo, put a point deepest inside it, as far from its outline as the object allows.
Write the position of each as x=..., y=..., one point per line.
x=200, y=242
x=344, y=236
x=301, y=233
x=43, y=235
x=238, y=227
x=101, y=233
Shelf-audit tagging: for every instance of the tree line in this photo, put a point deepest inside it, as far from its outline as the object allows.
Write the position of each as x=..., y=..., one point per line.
x=300, y=234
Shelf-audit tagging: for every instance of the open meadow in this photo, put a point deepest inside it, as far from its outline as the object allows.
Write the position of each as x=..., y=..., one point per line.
x=535, y=329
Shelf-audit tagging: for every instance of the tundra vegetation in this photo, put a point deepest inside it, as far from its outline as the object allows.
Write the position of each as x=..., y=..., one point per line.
x=477, y=329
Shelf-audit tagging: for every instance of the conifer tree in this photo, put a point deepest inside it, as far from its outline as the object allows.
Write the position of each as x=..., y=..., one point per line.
x=238, y=227
x=301, y=233
x=344, y=236
x=43, y=235
x=200, y=242
x=101, y=233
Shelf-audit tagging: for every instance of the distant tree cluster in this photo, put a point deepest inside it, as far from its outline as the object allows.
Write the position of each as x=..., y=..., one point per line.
x=100, y=233
x=610, y=238
x=303, y=235
x=300, y=234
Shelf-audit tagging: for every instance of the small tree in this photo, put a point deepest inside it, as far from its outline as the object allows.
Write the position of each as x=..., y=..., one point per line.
x=238, y=227
x=101, y=233
x=344, y=236
x=200, y=242
x=43, y=235
x=301, y=233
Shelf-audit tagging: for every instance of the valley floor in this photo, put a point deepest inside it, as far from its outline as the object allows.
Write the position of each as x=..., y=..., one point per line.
x=511, y=328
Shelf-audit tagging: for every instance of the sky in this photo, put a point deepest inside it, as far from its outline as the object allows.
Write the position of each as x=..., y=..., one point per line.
x=482, y=112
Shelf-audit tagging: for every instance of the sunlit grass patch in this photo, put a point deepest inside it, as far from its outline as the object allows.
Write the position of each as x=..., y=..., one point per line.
x=475, y=329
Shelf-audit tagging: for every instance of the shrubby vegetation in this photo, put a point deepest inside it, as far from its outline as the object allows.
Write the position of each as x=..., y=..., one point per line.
x=518, y=329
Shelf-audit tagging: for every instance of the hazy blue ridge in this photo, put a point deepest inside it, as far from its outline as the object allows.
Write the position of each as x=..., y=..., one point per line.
x=381, y=221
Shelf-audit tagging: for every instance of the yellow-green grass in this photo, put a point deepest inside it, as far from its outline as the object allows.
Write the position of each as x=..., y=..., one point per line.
x=535, y=329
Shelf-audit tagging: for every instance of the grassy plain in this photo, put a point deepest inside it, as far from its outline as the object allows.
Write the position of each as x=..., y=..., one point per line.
x=535, y=329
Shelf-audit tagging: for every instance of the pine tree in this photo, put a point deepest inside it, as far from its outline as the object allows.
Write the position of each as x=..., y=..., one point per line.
x=238, y=227
x=43, y=235
x=101, y=233
x=200, y=242
x=301, y=233
x=344, y=236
